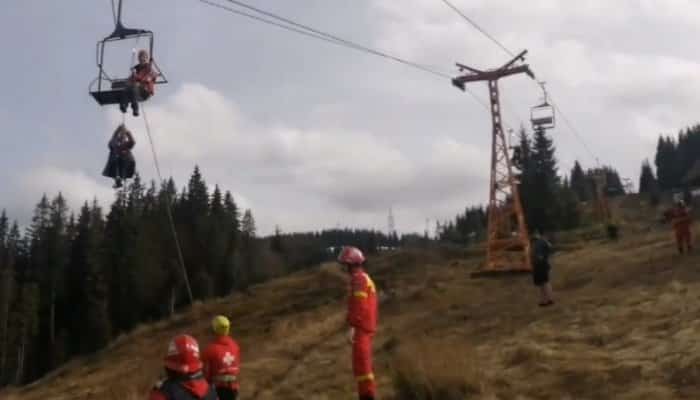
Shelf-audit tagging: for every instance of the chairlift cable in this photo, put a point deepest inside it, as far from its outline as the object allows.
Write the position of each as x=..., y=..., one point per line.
x=317, y=34
x=168, y=209
x=114, y=13
x=567, y=121
x=479, y=28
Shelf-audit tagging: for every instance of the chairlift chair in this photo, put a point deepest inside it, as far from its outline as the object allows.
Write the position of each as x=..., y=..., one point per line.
x=542, y=116
x=108, y=90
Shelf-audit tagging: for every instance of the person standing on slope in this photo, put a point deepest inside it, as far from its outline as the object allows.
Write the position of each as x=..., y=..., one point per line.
x=184, y=377
x=222, y=360
x=362, y=318
x=541, y=250
x=681, y=221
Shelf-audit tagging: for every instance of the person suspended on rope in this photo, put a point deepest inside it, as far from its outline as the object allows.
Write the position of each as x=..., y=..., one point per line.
x=141, y=84
x=121, y=164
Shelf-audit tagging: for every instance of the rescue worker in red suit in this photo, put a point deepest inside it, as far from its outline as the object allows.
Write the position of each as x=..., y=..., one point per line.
x=362, y=318
x=141, y=84
x=681, y=220
x=184, y=377
x=222, y=360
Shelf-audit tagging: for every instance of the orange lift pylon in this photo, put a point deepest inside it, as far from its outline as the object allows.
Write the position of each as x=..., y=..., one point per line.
x=508, y=248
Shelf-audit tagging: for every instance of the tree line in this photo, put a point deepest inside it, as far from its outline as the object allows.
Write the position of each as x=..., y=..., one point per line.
x=73, y=281
x=550, y=201
x=676, y=162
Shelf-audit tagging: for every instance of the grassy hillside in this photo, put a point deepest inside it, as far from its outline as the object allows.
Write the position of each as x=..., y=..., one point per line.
x=626, y=326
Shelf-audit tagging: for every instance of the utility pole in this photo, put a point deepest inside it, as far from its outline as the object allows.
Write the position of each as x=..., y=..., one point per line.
x=508, y=248
x=600, y=178
x=391, y=224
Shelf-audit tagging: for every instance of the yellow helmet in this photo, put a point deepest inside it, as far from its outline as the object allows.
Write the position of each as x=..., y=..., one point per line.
x=220, y=325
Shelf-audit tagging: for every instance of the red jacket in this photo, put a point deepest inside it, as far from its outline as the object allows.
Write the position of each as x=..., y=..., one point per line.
x=222, y=363
x=143, y=74
x=166, y=390
x=362, y=302
x=680, y=218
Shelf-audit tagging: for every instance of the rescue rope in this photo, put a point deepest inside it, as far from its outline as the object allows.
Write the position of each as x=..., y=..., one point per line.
x=169, y=207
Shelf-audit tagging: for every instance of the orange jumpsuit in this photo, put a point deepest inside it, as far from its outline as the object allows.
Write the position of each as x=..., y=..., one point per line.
x=681, y=226
x=362, y=315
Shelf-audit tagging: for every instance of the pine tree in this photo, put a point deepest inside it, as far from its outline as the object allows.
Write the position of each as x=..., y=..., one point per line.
x=613, y=182
x=89, y=325
x=667, y=163
x=569, y=213
x=579, y=184
x=249, y=249
x=124, y=306
x=542, y=201
x=647, y=180
x=6, y=293
x=24, y=319
x=276, y=242
x=58, y=258
x=196, y=206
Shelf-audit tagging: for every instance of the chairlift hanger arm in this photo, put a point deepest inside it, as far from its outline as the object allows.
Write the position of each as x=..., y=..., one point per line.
x=122, y=32
x=463, y=67
x=493, y=75
x=519, y=57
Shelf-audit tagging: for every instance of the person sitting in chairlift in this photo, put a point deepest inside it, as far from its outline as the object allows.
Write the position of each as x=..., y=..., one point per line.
x=120, y=164
x=141, y=84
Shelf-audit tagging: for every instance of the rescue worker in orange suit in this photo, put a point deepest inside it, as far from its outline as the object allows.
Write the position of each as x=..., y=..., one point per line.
x=362, y=318
x=222, y=360
x=141, y=84
x=681, y=220
x=184, y=377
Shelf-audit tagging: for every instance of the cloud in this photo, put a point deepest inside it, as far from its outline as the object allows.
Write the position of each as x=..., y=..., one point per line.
x=344, y=171
x=310, y=134
x=75, y=186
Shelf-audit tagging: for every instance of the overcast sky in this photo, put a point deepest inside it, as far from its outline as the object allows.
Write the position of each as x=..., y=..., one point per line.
x=311, y=135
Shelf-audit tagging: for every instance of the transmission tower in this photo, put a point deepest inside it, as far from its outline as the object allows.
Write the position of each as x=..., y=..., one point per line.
x=600, y=179
x=391, y=224
x=508, y=248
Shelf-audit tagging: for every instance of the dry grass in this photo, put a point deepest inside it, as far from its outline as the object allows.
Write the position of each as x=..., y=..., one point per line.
x=626, y=326
x=437, y=370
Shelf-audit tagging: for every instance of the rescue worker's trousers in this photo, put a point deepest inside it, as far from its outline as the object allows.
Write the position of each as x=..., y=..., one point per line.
x=683, y=239
x=362, y=364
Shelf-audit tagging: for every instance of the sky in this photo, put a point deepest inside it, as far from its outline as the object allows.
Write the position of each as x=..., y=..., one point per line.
x=310, y=135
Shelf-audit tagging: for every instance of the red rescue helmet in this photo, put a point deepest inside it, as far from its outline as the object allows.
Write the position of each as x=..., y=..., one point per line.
x=183, y=355
x=350, y=255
